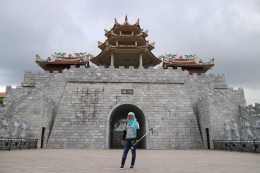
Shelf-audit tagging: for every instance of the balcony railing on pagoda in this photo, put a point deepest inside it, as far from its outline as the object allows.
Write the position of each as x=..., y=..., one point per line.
x=129, y=45
x=17, y=143
x=238, y=145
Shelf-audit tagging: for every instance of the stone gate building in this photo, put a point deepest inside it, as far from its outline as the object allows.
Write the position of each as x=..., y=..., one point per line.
x=75, y=105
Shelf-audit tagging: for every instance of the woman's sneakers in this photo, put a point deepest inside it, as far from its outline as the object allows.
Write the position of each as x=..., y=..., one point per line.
x=122, y=167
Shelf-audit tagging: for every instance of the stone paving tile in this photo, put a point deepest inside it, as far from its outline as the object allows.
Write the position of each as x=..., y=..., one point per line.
x=81, y=161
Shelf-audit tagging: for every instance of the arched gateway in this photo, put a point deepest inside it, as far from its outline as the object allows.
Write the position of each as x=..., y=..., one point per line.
x=116, y=116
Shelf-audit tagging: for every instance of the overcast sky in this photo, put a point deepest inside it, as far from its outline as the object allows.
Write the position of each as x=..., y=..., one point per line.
x=228, y=31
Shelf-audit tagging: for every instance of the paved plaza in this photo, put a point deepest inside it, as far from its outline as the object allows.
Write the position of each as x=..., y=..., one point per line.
x=80, y=160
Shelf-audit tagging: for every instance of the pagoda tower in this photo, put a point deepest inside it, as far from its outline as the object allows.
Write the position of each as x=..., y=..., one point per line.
x=126, y=45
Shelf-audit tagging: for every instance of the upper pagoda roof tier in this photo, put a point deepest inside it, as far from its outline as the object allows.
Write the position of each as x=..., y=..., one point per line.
x=123, y=41
x=126, y=26
x=61, y=58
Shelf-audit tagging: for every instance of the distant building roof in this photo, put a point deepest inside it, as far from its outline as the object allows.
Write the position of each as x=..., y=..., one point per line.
x=2, y=95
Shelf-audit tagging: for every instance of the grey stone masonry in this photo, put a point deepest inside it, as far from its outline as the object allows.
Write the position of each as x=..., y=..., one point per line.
x=75, y=106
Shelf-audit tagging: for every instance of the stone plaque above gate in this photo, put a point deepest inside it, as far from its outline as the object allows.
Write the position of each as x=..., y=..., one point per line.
x=127, y=91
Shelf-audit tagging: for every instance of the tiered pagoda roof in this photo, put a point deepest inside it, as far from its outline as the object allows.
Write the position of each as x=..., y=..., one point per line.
x=126, y=42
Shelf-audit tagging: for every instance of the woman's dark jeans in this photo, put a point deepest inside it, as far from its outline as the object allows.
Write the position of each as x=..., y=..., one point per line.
x=127, y=146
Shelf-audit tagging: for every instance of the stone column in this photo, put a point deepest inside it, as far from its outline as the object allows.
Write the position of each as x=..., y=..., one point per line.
x=112, y=59
x=140, y=60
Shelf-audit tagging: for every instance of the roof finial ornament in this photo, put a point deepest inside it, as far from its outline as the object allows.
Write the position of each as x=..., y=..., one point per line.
x=126, y=18
x=137, y=23
x=99, y=43
x=116, y=22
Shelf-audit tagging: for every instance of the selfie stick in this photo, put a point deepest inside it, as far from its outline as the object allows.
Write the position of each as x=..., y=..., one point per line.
x=142, y=137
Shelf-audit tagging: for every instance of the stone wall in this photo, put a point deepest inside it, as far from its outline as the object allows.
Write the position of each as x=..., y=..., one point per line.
x=35, y=113
x=92, y=92
x=74, y=105
x=36, y=101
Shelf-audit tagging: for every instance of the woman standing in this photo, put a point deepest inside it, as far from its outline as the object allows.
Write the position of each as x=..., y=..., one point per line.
x=130, y=137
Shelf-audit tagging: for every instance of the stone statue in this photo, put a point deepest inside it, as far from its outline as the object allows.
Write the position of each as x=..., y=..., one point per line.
x=246, y=132
x=16, y=125
x=23, y=127
x=227, y=131
x=234, y=130
x=256, y=132
x=4, y=127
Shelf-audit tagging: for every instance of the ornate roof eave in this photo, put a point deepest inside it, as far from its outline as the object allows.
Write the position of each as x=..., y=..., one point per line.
x=151, y=46
x=189, y=64
x=137, y=35
x=61, y=62
x=159, y=61
x=79, y=58
x=43, y=64
x=203, y=67
x=117, y=47
x=125, y=24
x=185, y=62
x=127, y=37
x=107, y=34
x=102, y=45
